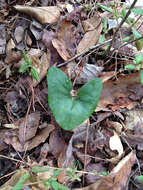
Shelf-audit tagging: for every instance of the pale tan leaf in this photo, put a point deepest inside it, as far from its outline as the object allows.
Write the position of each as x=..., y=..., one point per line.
x=93, y=28
x=44, y=15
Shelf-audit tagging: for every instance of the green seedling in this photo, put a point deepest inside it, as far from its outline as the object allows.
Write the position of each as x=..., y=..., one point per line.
x=140, y=178
x=52, y=182
x=137, y=65
x=21, y=182
x=72, y=175
x=136, y=35
x=71, y=108
x=27, y=66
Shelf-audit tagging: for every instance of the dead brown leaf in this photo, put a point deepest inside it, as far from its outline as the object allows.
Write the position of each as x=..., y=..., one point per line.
x=65, y=39
x=11, y=137
x=89, y=72
x=44, y=15
x=19, y=34
x=47, y=38
x=12, y=56
x=2, y=39
x=117, y=179
x=116, y=94
x=28, y=127
x=93, y=28
x=98, y=167
x=3, y=145
x=56, y=143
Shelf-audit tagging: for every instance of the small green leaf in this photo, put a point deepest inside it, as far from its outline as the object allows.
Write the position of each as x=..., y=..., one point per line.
x=137, y=11
x=69, y=111
x=130, y=67
x=57, y=186
x=104, y=24
x=24, y=67
x=101, y=38
x=104, y=7
x=21, y=182
x=140, y=178
x=139, y=59
x=56, y=172
x=123, y=14
x=138, y=67
x=141, y=76
x=126, y=39
x=29, y=61
x=24, y=55
x=135, y=33
x=139, y=44
x=104, y=173
x=34, y=74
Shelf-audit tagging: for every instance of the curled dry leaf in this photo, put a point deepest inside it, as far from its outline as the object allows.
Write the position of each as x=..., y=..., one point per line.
x=116, y=94
x=12, y=56
x=117, y=179
x=47, y=38
x=93, y=28
x=65, y=39
x=89, y=72
x=42, y=64
x=44, y=15
x=10, y=137
x=115, y=144
x=36, y=29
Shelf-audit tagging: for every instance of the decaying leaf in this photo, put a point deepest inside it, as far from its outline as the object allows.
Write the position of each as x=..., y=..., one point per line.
x=56, y=143
x=65, y=39
x=19, y=34
x=44, y=15
x=11, y=137
x=93, y=28
x=117, y=94
x=12, y=56
x=36, y=29
x=2, y=39
x=97, y=168
x=134, y=121
x=117, y=179
x=89, y=72
x=28, y=127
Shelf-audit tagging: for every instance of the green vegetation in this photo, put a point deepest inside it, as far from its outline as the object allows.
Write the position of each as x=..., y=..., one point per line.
x=27, y=66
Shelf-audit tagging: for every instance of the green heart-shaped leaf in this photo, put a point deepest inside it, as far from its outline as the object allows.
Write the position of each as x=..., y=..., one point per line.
x=70, y=112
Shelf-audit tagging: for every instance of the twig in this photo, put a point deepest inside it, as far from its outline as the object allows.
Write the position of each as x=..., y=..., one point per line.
x=84, y=52
x=120, y=25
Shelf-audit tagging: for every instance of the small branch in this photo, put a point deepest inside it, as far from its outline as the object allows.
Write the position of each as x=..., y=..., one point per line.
x=120, y=25
x=84, y=52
